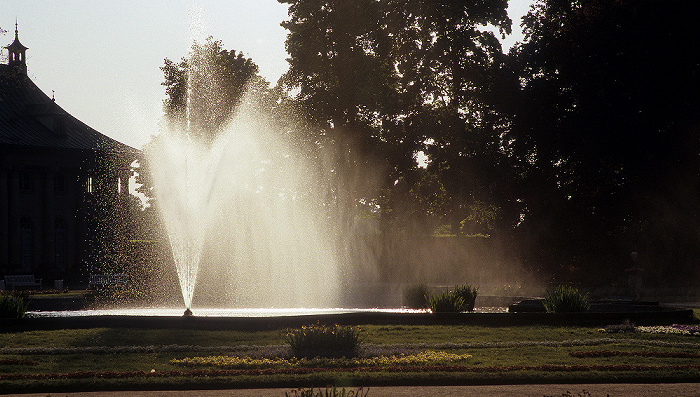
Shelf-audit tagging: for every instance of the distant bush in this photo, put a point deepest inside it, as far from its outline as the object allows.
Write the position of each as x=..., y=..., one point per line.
x=416, y=296
x=565, y=299
x=13, y=305
x=324, y=341
x=460, y=299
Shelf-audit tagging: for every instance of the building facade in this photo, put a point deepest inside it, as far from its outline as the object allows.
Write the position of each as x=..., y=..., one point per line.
x=63, y=186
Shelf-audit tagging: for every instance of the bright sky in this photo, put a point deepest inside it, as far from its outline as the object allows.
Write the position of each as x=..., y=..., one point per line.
x=102, y=58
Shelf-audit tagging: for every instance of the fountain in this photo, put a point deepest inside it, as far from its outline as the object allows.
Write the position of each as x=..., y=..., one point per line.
x=243, y=210
x=249, y=229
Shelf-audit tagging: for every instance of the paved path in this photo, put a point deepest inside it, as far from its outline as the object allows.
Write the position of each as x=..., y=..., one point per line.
x=595, y=390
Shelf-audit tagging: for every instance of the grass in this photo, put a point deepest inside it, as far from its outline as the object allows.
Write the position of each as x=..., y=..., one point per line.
x=482, y=357
x=137, y=337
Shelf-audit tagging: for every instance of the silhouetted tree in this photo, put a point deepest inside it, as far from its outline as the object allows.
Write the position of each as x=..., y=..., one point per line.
x=386, y=79
x=608, y=124
x=448, y=66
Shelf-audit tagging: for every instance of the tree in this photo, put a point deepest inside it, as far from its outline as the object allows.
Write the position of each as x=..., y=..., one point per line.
x=607, y=122
x=204, y=89
x=448, y=66
x=203, y=92
x=382, y=78
x=343, y=80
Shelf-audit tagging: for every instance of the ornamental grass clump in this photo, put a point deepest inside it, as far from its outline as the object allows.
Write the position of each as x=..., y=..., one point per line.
x=468, y=295
x=324, y=341
x=446, y=302
x=461, y=299
x=565, y=299
x=12, y=305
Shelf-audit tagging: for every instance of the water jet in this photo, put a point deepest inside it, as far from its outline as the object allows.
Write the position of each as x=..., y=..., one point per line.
x=242, y=204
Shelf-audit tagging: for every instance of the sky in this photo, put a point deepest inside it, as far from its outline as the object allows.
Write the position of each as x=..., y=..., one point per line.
x=101, y=59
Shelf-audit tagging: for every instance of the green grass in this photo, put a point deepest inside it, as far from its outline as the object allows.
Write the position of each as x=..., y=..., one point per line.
x=481, y=357
x=137, y=337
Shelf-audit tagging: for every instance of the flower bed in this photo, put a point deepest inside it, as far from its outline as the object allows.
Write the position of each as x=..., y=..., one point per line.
x=366, y=350
x=680, y=329
x=618, y=353
x=14, y=361
x=420, y=359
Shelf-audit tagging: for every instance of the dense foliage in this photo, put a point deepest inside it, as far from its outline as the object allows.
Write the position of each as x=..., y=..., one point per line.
x=606, y=121
x=576, y=148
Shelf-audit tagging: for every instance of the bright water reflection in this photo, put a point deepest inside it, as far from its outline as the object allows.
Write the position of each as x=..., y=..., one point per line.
x=218, y=312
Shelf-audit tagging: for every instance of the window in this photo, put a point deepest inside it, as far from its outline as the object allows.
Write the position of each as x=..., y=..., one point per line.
x=88, y=187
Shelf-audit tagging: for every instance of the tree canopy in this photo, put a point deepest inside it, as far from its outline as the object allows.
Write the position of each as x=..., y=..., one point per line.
x=578, y=146
x=607, y=118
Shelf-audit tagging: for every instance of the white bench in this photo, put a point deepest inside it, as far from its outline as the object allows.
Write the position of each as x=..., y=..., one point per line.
x=107, y=280
x=22, y=281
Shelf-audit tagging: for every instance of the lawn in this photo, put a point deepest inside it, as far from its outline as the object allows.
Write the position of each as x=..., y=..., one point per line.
x=122, y=358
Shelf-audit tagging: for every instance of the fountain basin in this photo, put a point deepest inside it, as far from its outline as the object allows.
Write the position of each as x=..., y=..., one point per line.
x=269, y=319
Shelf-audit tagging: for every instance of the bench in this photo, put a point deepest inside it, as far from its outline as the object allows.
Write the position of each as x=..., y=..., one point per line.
x=22, y=281
x=107, y=280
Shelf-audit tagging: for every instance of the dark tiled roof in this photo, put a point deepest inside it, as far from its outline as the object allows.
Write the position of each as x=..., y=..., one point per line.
x=29, y=118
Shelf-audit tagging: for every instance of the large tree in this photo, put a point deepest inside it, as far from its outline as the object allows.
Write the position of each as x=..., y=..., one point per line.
x=448, y=67
x=386, y=79
x=608, y=122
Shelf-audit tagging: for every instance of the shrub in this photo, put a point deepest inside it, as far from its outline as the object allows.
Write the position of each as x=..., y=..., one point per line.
x=468, y=295
x=13, y=305
x=446, y=302
x=324, y=341
x=565, y=299
x=416, y=296
x=461, y=299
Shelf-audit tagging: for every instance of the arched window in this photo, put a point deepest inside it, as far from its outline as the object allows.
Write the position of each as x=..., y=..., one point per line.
x=26, y=238
x=60, y=241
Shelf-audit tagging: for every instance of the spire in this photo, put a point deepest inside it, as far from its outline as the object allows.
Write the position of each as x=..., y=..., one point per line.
x=16, y=53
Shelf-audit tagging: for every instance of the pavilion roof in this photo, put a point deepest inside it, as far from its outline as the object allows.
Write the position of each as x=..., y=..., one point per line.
x=29, y=118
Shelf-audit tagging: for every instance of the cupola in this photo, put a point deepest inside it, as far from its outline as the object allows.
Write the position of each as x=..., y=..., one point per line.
x=16, y=54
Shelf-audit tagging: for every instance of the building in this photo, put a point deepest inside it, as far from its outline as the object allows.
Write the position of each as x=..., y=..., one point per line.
x=63, y=186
